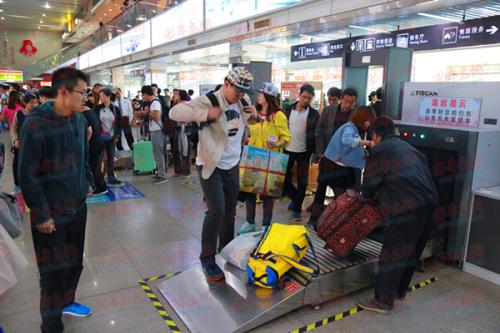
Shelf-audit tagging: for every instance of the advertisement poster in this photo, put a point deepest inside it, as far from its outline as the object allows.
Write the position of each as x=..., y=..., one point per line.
x=136, y=39
x=220, y=12
x=111, y=50
x=181, y=21
x=457, y=112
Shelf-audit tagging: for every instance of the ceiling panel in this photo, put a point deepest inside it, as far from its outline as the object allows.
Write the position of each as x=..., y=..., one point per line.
x=29, y=14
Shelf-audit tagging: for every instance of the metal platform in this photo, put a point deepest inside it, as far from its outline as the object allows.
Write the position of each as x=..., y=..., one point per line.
x=236, y=306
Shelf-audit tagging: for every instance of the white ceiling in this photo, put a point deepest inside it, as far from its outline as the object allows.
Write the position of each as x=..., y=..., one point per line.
x=27, y=14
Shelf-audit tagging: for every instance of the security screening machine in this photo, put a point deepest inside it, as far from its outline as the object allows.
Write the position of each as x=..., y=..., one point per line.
x=456, y=125
x=236, y=306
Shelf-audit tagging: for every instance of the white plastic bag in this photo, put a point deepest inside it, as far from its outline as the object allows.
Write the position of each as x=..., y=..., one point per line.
x=238, y=251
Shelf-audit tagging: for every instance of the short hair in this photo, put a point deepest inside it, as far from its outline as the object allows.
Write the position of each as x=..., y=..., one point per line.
x=154, y=85
x=383, y=126
x=28, y=98
x=372, y=94
x=119, y=89
x=15, y=86
x=334, y=92
x=190, y=92
x=362, y=115
x=349, y=92
x=184, y=95
x=67, y=77
x=380, y=93
x=97, y=85
x=307, y=88
x=147, y=90
x=46, y=92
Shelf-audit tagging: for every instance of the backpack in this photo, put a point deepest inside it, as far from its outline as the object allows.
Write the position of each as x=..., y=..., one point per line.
x=281, y=248
x=10, y=215
x=167, y=125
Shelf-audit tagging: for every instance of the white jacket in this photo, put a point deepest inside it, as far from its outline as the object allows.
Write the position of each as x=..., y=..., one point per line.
x=212, y=138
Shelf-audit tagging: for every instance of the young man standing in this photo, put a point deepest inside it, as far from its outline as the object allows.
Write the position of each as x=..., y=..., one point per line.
x=55, y=180
x=153, y=109
x=302, y=120
x=223, y=124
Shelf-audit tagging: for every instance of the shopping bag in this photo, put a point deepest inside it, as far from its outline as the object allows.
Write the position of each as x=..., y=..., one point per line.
x=238, y=251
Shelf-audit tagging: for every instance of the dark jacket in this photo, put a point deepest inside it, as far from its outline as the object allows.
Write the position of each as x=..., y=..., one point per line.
x=400, y=175
x=118, y=119
x=326, y=127
x=54, y=173
x=312, y=120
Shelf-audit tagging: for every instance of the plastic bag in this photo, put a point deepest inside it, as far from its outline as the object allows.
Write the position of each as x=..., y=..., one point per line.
x=10, y=216
x=238, y=251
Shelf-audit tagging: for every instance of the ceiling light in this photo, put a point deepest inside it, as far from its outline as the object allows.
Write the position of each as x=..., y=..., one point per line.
x=105, y=14
x=141, y=18
x=44, y=15
x=128, y=26
x=110, y=10
x=153, y=11
x=47, y=5
x=2, y=18
x=1, y=10
x=368, y=29
x=41, y=22
x=437, y=17
x=39, y=28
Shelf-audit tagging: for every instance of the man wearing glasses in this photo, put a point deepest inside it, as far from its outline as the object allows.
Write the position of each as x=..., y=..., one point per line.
x=222, y=118
x=55, y=179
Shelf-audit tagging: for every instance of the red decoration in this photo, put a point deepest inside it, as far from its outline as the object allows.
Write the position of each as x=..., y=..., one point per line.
x=28, y=49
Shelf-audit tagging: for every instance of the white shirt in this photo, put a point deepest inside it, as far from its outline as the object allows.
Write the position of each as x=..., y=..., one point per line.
x=125, y=107
x=298, y=131
x=154, y=125
x=107, y=119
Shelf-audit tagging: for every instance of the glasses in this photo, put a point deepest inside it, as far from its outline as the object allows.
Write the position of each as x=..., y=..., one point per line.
x=82, y=93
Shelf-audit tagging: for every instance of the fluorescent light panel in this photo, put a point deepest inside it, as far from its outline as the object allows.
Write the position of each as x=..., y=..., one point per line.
x=437, y=17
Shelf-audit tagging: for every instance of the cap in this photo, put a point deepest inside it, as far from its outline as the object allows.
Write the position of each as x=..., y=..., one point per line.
x=269, y=89
x=241, y=78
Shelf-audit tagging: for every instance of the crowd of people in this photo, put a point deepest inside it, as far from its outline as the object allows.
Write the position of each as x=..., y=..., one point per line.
x=61, y=135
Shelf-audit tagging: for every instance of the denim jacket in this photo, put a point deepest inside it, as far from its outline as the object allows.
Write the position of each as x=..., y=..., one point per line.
x=344, y=147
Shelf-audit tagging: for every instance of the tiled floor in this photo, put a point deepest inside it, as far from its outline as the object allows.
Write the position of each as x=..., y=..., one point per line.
x=160, y=233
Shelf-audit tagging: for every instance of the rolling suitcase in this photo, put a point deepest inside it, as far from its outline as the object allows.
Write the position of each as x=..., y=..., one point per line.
x=346, y=221
x=144, y=162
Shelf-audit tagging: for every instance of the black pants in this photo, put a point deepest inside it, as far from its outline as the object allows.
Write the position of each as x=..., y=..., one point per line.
x=405, y=238
x=127, y=130
x=59, y=257
x=337, y=177
x=95, y=152
x=109, y=148
x=268, y=205
x=297, y=194
x=15, y=165
x=221, y=196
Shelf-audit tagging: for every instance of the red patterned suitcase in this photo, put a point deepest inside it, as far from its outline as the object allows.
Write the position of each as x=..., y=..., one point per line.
x=346, y=221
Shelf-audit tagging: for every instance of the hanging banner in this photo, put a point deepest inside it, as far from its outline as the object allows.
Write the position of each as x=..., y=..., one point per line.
x=482, y=31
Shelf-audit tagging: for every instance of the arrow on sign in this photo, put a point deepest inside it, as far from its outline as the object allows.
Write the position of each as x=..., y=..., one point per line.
x=492, y=30
x=295, y=53
x=353, y=46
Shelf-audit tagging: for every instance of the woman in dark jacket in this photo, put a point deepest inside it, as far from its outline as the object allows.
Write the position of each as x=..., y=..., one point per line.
x=108, y=116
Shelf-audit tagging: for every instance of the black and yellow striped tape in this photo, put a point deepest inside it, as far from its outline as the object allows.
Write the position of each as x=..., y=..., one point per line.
x=156, y=301
x=353, y=311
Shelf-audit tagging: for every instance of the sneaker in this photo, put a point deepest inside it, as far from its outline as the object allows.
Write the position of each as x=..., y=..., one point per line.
x=297, y=216
x=313, y=224
x=246, y=228
x=15, y=190
x=213, y=272
x=160, y=180
x=100, y=192
x=77, y=310
x=114, y=182
x=291, y=206
x=375, y=306
x=155, y=176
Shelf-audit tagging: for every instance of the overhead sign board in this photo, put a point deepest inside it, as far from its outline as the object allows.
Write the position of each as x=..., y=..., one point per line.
x=181, y=21
x=451, y=35
x=11, y=76
x=136, y=39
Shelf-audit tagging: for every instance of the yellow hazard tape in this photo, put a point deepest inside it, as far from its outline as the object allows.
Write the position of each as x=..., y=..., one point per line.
x=156, y=301
x=353, y=311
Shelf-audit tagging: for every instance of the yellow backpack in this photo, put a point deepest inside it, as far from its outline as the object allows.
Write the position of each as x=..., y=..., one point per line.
x=281, y=248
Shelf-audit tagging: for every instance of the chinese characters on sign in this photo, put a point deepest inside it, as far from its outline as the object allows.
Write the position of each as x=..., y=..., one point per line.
x=457, y=112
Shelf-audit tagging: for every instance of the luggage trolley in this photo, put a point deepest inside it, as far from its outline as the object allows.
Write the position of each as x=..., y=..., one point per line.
x=236, y=306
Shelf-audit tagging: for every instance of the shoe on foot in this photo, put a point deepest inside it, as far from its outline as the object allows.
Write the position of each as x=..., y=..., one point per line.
x=297, y=216
x=160, y=180
x=375, y=306
x=213, y=272
x=114, y=182
x=246, y=228
x=291, y=206
x=155, y=176
x=77, y=310
x=100, y=192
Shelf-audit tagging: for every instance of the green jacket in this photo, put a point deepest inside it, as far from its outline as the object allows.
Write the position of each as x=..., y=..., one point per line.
x=53, y=169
